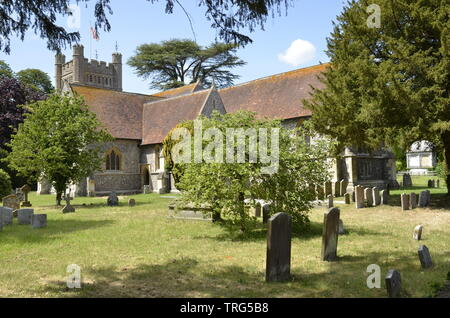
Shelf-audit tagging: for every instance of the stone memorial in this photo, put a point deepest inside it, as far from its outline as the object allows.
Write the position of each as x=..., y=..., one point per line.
x=347, y=198
x=25, y=190
x=393, y=283
x=328, y=188
x=405, y=201
x=330, y=235
x=330, y=201
x=6, y=216
x=337, y=188
x=258, y=210
x=423, y=199
x=413, y=201
x=147, y=189
x=407, y=181
x=425, y=257
x=368, y=196
x=131, y=202
x=39, y=221
x=24, y=216
x=417, y=235
x=68, y=208
x=376, y=196
x=266, y=213
x=11, y=201
x=430, y=183
x=384, y=194
x=343, y=187
x=278, y=261
x=359, y=197
x=113, y=199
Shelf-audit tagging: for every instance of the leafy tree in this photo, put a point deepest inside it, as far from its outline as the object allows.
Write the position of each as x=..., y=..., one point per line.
x=227, y=16
x=225, y=186
x=174, y=63
x=5, y=70
x=388, y=85
x=37, y=79
x=5, y=184
x=60, y=140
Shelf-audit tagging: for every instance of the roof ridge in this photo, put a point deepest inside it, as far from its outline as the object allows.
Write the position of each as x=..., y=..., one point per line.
x=174, y=97
x=114, y=91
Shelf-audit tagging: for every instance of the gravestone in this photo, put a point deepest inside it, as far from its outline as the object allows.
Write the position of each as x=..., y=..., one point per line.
x=330, y=201
x=113, y=199
x=68, y=208
x=423, y=199
x=6, y=216
x=19, y=194
x=258, y=210
x=430, y=183
x=343, y=187
x=24, y=216
x=417, y=235
x=39, y=221
x=25, y=190
x=278, y=261
x=413, y=201
x=341, y=227
x=328, y=188
x=368, y=196
x=407, y=181
x=330, y=234
x=393, y=283
x=384, y=194
x=147, y=189
x=405, y=201
x=425, y=257
x=266, y=213
x=376, y=196
x=347, y=198
x=359, y=196
x=337, y=188
x=131, y=202
x=11, y=201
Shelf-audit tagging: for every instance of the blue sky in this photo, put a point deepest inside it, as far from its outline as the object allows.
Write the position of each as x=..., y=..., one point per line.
x=305, y=29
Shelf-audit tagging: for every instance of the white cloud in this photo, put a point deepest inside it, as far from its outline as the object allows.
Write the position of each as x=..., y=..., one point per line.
x=300, y=52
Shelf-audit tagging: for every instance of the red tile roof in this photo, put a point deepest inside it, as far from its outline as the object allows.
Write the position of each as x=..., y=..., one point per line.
x=184, y=90
x=278, y=96
x=120, y=112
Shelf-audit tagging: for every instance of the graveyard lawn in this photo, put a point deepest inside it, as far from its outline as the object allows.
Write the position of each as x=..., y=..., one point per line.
x=139, y=252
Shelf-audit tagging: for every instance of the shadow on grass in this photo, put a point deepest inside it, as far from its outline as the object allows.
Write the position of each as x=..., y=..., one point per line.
x=54, y=230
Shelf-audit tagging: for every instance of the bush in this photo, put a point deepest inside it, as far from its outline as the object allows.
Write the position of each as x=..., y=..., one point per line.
x=5, y=184
x=440, y=170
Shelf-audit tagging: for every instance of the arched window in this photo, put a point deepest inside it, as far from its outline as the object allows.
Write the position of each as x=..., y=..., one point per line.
x=113, y=161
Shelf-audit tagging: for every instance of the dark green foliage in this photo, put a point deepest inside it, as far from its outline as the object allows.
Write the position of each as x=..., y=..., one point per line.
x=36, y=79
x=5, y=70
x=5, y=184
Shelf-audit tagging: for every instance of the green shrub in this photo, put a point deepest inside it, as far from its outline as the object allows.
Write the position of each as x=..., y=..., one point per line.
x=5, y=184
x=440, y=170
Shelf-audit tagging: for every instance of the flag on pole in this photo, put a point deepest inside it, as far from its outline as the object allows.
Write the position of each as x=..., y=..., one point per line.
x=94, y=34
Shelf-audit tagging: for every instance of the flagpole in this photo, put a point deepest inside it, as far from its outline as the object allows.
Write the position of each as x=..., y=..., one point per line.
x=90, y=40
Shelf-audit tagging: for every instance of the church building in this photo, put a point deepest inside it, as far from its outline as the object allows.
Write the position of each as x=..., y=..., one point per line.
x=133, y=162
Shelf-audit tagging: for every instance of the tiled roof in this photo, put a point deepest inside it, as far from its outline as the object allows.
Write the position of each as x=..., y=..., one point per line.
x=161, y=116
x=120, y=112
x=184, y=90
x=278, y=96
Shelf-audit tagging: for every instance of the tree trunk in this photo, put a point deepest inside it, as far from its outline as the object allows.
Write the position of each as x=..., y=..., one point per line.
x=58, y=198
x=446, y=142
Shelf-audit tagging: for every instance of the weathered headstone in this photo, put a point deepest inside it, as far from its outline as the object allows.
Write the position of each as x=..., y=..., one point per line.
x=343, y=187
x=417, y=235
x=25, y=190
x=413, y=201
x=425, y=257
x=266, y=213
x=68, y=208
x=359, y=196
x=368, y=196
x=330, y=234
x=278, y=261
x=39, y=221
x=337, y=188
x=131, y=202
x=6, y=216
x=407, y=181
x=11, y=201
x=405, y=201
x=384, y=194
x=341, y=227
x=330, y=201
x=19, y=194
x=376, y=196
x=147, y=189
x=24, y=216
x=113, y=199
x=430, y=183
x=258, y=210
x=328, y=188
x=347, y=198
x=393, y=283
x=423, y=199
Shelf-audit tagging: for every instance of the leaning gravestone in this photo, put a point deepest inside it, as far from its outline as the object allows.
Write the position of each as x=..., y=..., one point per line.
x=39, y=221
x=6, y=215
x=405, y=201
x=278, y=261
x=131, y=202
x=376, y=196
x=359, y=197
x=343, y=187
x=347, y=198
x=417, y=235
x=393, y=283
x=407, y=181
x=425, y=257
x=25, y=190
x=330, y=201
x=328, y=188
x=384, y=197
x=113, y=199
x=413, y=201
x=11, y=201
x=266, y=213
x=24, y=216
x=368, y=196
x=330, y=234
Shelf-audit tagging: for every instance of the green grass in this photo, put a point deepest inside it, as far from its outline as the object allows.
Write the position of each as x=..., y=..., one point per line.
x=139, y=252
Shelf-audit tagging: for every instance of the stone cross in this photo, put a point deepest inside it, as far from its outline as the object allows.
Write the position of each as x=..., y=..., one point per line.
x=393, y=283
x=417, y=235
x=405, y=201
x=413, y=200
x=376, y=196
x=425, y=257
x=384, y=197
x=25, y=190
x=359, y=197
x=278, y=261
x=24, y=216
x=328, y=188
x=39, y=221
x=368, y=196
x=330, y=234
x=347, y=198
x=68, y=208
x=330, y=201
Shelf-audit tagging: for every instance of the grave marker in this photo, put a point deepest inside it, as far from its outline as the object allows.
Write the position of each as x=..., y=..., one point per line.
x=393, y=283
x=330, y=234
x=24, y=216
x=278, y=261
x=425, y=257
